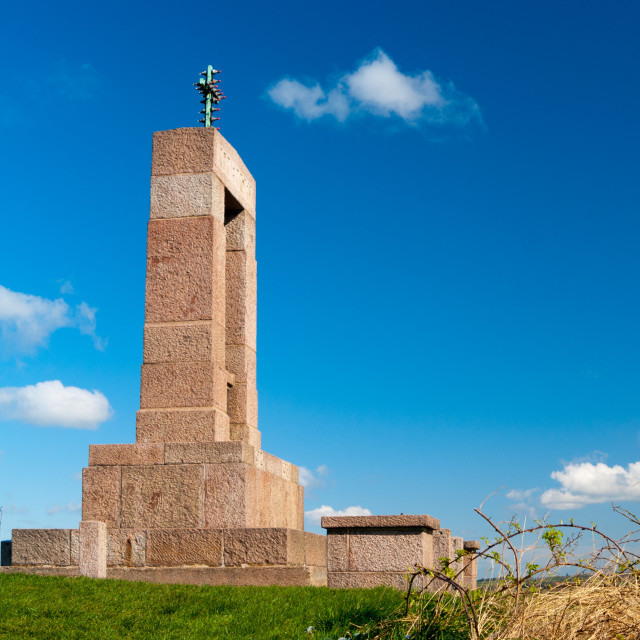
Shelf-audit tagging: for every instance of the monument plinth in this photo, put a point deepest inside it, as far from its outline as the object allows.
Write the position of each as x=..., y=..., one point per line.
x=195, y=499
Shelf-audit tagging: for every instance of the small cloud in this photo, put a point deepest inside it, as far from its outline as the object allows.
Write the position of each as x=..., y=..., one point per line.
x=27, y=321
x=377, y=87
x=584, y=483
x=66, y=287
x=314, y=516
x=311, y=480
x=14, y=509
x=72, y=81
x=51, y=404
x=71, y=507
x=520, y=494
x=77, y=475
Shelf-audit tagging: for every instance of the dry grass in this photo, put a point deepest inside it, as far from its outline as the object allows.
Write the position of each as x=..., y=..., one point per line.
x=601, y=607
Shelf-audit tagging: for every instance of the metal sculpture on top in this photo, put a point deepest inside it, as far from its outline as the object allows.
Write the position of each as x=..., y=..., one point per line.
x=211, y=95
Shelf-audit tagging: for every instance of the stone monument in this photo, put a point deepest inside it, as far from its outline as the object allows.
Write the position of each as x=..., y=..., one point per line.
x=195, y=499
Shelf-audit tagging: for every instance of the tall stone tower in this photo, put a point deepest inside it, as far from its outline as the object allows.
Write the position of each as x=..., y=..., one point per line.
x=195, y=499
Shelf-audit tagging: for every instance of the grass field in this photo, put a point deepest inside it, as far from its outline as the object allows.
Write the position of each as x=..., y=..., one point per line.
x=69, y=608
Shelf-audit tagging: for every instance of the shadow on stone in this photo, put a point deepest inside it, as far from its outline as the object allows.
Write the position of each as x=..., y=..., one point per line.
x=5, y=553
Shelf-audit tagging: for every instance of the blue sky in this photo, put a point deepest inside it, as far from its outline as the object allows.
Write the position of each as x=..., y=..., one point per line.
x=447, y=244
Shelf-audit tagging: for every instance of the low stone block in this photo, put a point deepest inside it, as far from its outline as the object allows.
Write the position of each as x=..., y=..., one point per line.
x=178, y=547
x=125, y=454
x=101, y=494
x=209, y=452
x=183, y=384
x=182, y=425
x=126, y=548
x=185, y=342
x=241, y=232
x=5, y=553
x=279, y=546
x=92, y=557
x=242, y=404
x=168, y=496
x=49, y=547
x=187, y=195
x=245, y=433
x=186, y=267
x=315, y=549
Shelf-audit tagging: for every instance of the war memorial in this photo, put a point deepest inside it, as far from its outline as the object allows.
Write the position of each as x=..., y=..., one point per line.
x=195, y=499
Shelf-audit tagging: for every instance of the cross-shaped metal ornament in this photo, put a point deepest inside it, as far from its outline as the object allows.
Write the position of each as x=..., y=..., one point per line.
x=210, y=93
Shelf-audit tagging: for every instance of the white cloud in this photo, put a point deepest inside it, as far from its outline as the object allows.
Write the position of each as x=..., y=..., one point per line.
x=71, y=507
x=379, y=88
x=48, y=404
x=27, y=321
x=312, y=479
x=315, y=515
x=588, y=483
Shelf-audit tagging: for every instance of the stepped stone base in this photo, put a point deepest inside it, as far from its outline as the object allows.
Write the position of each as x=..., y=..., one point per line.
x=213, y=576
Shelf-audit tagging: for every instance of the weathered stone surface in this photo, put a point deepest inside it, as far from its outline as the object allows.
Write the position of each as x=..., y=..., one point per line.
x=338, y=550
x=263, y=547
x=472, y=545
x=169, y=496
x=388, y=550
x=441, y=544
x=177, y=547
x=235, y=576
x=364, y=580
x=231, y=498
x=183, y=384
x=209, y=452
x=241, y=361
x=203, y=150
x=92, y=556
x=279, y=502
x=125, y=454
x=242, y=404
x=245, y=433
x=395, y=521
x=101, y=495
x=241, y=294
x=315, y=549
x=41, y=547
x=126, y=548
x=300, y=522
x=185, y=342
x=241, y=232
x=5, y=553
x=185, y=270
x=238, y=576
x=182, y=425
x=187, y=195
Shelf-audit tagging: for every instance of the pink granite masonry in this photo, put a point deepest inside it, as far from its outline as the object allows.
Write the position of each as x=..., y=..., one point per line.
x=367, y=551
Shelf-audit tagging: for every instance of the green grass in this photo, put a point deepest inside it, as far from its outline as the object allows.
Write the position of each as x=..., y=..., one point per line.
x=69, y=608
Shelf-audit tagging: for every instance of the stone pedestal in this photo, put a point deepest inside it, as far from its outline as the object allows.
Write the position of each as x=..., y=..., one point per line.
x=92, y=551
x=367, y=551
x=195, y=490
